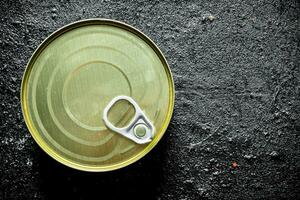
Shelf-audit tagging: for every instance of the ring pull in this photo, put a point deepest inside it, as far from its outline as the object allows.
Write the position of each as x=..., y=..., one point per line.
x=139, y=130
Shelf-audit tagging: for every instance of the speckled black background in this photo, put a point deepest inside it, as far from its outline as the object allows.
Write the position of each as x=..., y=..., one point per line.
x=235, y=128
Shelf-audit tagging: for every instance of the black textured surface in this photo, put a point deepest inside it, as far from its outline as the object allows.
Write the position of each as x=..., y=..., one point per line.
x=235, y=129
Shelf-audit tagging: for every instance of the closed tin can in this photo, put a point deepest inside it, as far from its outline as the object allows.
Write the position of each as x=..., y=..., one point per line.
x=97, y=95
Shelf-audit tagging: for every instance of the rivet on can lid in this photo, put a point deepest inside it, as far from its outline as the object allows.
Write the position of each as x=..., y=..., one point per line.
x=140, y=130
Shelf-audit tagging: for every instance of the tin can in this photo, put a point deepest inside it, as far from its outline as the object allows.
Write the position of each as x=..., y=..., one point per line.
x=97, y=95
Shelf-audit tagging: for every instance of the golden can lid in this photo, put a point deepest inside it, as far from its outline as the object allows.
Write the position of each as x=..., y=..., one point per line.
x=97, y=95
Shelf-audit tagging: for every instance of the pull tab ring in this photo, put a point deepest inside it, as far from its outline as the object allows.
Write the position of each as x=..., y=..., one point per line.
x=139, y=130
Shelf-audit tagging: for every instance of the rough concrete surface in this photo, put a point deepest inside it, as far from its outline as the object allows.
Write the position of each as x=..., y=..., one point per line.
x=235, y=129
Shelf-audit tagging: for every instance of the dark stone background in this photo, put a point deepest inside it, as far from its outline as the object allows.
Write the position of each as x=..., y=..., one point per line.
x=237, y=77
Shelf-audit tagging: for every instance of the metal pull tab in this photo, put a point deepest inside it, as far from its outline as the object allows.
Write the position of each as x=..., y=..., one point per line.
x=139, y=130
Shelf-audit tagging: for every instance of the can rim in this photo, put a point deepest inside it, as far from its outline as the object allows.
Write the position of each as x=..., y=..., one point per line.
x=23, y=94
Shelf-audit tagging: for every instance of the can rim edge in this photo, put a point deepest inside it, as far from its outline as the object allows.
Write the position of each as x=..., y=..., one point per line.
x=35, y=133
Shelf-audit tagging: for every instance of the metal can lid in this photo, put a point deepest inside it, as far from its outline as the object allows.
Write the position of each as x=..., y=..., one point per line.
x=72, y=77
